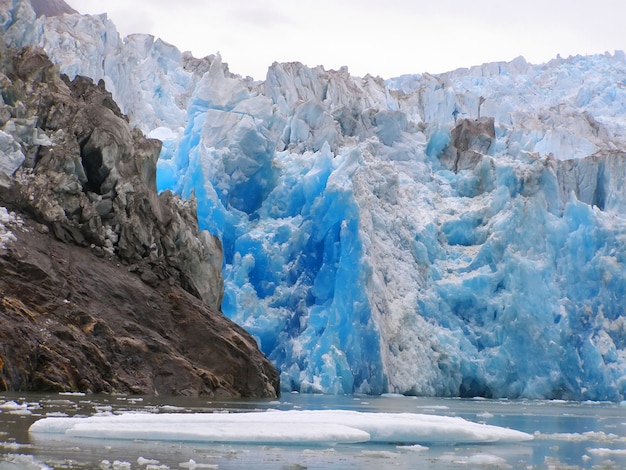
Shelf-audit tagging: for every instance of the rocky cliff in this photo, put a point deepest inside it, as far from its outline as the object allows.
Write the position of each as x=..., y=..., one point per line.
x=105, y=285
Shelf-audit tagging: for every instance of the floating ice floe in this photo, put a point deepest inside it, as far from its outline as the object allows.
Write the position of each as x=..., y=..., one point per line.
x=285, y=427
x=597, y=436
x=15, y=408
x=22, y=461
x=604, y=452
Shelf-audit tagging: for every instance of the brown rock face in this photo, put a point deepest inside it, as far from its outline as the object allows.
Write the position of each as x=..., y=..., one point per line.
x=107, y=286
x=51, y=7
x=470, y=140
x=73, y=321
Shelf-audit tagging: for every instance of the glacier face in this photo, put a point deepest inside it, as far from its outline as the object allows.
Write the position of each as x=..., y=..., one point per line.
x=460, y=234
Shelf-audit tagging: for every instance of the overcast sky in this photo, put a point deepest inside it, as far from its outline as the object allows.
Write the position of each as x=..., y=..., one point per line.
x=381, y=37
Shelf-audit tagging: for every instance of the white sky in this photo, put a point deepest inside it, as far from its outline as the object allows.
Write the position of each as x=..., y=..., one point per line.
x=381, y=37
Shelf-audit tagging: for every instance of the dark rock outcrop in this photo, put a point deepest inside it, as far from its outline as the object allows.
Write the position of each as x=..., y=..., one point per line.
x=51, y=7
x=92, y=178
x=108, y=286
x=470, y=140
x=70, y=321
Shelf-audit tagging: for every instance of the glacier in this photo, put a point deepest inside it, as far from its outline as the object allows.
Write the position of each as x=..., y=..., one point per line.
x=461, y=234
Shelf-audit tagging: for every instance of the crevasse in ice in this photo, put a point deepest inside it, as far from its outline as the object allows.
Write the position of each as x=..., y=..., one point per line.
x=460, y=234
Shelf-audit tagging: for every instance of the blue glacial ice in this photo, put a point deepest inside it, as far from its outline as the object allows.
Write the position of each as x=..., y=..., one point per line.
x=459, y=234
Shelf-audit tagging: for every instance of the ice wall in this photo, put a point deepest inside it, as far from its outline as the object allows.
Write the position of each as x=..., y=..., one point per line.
x=451, y=235
x=460, y=234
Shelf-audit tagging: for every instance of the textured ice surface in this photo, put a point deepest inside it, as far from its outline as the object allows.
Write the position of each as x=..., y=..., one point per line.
x=460, y=234
x=7, y=221
x=284, y=427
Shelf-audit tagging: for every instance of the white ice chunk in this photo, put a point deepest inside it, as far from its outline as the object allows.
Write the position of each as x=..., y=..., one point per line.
x=162, y=133
x=604, y=452
x=192, y=464
x=13, y=406
x=145, y=461
x=285, y=427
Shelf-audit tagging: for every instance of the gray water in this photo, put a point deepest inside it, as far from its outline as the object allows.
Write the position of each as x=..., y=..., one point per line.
x=568, y=435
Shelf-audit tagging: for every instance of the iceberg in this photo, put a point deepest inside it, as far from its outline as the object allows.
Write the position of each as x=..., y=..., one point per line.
x=458, y=234
x=295, y=427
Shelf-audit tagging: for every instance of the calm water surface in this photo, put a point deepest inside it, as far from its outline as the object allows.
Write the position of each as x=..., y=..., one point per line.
x=568, y=435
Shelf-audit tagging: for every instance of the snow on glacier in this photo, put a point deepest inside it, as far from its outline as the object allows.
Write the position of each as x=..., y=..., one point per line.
x=459, y=234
